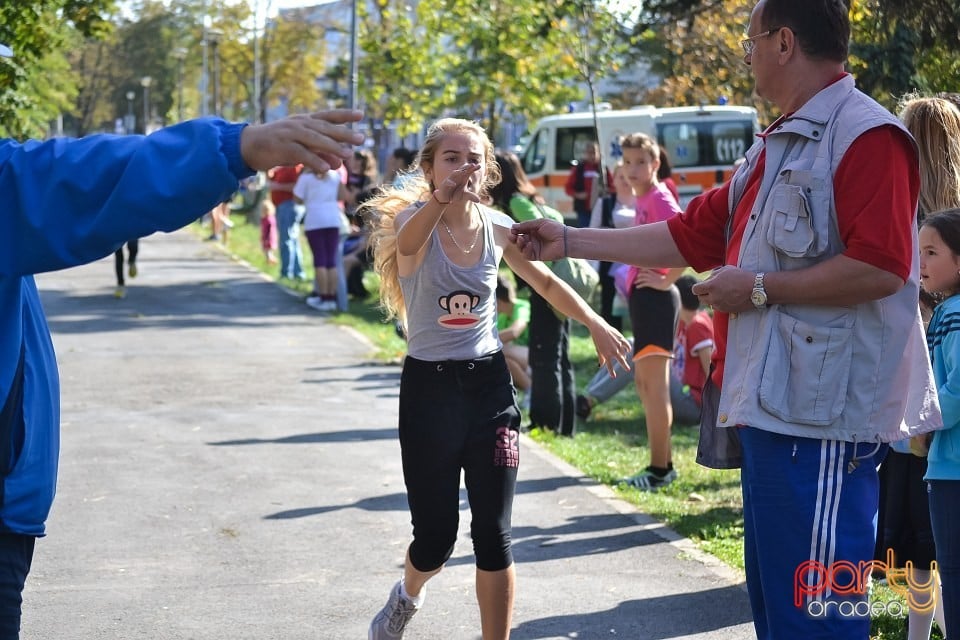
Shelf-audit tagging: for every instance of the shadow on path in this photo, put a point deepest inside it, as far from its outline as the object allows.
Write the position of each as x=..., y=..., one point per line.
x=174, y=306
x=389, y=502
x=647, y=619
x=320, y=437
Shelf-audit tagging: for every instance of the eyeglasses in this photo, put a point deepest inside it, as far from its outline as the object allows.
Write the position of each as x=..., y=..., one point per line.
x=749, y=44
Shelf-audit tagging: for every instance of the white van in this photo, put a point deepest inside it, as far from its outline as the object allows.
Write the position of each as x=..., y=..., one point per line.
x=702, y=143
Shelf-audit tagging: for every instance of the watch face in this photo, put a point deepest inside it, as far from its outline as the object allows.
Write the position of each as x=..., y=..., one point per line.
x=758, y=298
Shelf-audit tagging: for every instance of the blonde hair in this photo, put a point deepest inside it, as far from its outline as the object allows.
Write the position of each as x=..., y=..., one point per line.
x=383, y=208
x=935, y=124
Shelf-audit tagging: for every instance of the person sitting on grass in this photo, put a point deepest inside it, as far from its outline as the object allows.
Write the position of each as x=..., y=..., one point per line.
x=692, y=351
x=513, y=316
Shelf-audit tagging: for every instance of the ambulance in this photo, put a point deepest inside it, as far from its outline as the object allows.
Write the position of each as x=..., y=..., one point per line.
x=703, y=143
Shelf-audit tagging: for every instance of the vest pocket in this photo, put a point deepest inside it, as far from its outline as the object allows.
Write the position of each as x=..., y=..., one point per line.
x=806, y=372
x=791, y=230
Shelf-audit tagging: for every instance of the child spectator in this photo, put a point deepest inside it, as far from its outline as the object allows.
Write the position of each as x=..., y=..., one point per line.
x=268, y=231
x=654, y=305
x=665, y=175
x=939, y=263
x=513, y=317
x=693, y=348
x=905, y=534
x=319, y=193
x=289, y=216
x=613, y=211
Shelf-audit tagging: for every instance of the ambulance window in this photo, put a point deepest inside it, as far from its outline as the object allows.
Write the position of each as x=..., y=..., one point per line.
x=705, y=144
x=571, y=143
x=682, y=144
x=730, y=141
x=535, y=155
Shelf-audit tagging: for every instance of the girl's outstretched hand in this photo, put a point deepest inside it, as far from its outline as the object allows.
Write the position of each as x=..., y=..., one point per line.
x=611, y=346
x=462, y=184
x=539, y=239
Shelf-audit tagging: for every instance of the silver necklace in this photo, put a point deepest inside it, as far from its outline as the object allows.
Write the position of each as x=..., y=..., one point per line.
x=473, y=244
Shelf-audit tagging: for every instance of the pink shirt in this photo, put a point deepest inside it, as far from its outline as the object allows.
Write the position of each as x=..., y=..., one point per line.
x=656, y=205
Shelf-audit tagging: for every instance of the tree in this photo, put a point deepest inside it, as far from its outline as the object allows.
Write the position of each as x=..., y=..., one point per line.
x=897, y=45
x=598, y=40
x=882, y=54
x=700, y=59
x=293, y=62
x=398, y=44
x=482, y=65
x=934, y=22
x=37, y=85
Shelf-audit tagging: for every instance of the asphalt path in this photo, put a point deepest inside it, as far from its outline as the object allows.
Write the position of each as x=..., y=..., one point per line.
x=230, y=470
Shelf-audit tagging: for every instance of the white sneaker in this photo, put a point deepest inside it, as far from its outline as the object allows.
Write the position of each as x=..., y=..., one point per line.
x=314, y=302
x=393, y=618
x=328, y=305
x=648, y=480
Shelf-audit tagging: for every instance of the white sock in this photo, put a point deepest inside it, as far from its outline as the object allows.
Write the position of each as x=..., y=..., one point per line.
x=417, y=601
x=920, y=622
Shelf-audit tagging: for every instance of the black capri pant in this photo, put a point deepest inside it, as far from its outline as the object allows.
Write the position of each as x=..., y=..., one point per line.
x=459, y=414
x=653, y=317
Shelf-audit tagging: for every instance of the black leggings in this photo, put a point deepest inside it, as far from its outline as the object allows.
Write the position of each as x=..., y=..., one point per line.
x=553, y=391
x=16, y=555
x=132, y=247
x=459, y=414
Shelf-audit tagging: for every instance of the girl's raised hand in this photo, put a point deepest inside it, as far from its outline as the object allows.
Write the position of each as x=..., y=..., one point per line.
x=460, y=184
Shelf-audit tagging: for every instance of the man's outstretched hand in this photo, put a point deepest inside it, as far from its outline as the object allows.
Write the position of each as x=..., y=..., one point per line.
x=321, y=141
x=539, y=239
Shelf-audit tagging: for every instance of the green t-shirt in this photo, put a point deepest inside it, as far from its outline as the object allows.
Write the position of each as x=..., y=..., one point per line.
x=523, y=209
x=521, y=311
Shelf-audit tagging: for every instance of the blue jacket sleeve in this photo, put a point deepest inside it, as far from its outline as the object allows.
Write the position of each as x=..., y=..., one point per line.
x=65, y=202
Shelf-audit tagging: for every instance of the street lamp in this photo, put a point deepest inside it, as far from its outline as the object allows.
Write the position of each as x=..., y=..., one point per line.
x=145, y=82
x=256, y=61
x=131, y=119
x=179, y=54
x=352, y=104
x=214, y=36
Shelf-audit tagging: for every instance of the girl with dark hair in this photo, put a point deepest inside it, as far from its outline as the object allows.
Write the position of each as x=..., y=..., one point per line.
x=515, y=195
x=905, y=534
x=553, y=390
x=940, y=275
x=665, y=173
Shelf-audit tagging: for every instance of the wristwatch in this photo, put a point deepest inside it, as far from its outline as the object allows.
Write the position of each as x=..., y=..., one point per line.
x=759, y=295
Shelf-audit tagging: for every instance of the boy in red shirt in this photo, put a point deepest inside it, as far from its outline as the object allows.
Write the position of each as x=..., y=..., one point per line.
x=691, y=352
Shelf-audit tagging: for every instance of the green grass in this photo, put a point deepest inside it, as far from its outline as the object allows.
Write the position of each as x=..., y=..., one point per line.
x=702, y=504
x=365, y=317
